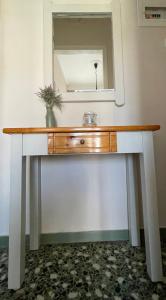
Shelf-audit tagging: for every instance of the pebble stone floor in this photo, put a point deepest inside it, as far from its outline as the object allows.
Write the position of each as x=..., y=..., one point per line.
x=102, y=270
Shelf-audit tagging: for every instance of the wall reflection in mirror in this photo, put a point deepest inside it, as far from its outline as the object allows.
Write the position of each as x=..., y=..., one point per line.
x=83, y=53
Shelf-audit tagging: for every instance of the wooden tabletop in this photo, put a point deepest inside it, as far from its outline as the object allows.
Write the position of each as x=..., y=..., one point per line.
x=81, y=129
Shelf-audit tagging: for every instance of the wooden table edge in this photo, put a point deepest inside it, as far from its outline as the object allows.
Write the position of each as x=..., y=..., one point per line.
x=81, y=129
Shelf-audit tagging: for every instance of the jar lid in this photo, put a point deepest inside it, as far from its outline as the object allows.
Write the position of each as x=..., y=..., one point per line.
x=89, y=113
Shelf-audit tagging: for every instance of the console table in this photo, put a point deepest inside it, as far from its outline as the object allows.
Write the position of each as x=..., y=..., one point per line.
x=105, y=140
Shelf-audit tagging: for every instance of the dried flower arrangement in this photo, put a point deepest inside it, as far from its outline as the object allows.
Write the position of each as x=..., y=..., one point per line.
x=51, y=98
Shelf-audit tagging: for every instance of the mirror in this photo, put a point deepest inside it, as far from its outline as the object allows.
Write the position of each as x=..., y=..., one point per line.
x=83, y=53
x=83, y=50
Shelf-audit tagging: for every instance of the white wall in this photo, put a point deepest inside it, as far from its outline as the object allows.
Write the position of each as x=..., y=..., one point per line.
x=21, y=75
x=86, y=204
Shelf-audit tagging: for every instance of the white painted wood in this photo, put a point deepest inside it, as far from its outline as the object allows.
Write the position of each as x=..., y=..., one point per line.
x=47, y=43
x=129, y=142
x=81, y=6
x=150, y=210
x=17, y=214
x=85, y=7
x=35, y=144
x=35, y=202
x=104, y=96
x=132, y=199
x=118, y=53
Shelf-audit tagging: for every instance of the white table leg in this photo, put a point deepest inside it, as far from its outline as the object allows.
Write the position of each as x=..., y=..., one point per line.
x=16, y=264
x=35, y=202
x=150, y=210
x=132, y=199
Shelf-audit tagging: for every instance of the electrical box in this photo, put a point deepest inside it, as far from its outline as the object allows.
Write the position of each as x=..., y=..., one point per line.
x=151, y=12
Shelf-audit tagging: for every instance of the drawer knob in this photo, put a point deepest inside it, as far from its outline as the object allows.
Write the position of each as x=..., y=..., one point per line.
x=82, y=142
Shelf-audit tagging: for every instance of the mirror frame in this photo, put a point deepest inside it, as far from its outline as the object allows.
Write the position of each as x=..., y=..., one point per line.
x=95, y=7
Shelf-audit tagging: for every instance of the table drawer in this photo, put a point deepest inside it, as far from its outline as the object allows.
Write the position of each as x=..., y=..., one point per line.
x=95, y=142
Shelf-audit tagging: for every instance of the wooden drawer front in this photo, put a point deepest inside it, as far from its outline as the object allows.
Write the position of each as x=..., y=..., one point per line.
x=95, y=142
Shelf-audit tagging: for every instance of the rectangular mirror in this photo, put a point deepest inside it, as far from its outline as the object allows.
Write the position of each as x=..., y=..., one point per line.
x=83, y=53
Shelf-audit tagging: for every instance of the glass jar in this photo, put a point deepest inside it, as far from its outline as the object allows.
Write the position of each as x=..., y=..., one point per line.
x=90, y=119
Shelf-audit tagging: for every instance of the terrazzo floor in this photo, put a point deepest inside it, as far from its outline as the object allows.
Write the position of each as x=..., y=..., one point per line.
x=103, y=270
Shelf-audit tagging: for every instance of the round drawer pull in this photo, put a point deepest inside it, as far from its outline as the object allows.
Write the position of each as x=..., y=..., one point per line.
x=82, y=142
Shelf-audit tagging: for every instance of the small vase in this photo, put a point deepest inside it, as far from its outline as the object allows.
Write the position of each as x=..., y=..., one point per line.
x=50, y=117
